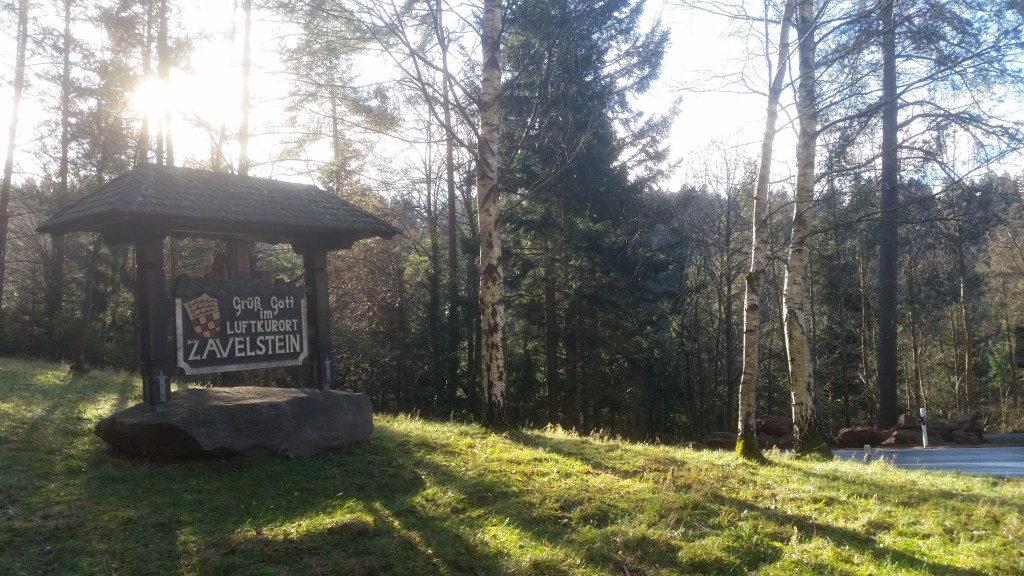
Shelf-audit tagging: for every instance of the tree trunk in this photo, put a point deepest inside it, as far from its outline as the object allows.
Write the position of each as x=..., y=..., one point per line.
x=434, y=294
x=142, y=148
x=726, y=314
x=954, y=374
x=697, y=374
x=746, y=444
x=243, y=129
x=164, y=70
x=552, y=335
x=965, y=317
x=844, y=348
x=452, y=287
x=492, y=299
x=78, y=356
x=807, y=437
x=78, y=362
x=865, y=325
x=471, y=312
x=573, y=379
x=5, y=190
x=1009, y=378
x=915, y=333
x=888, y=231
x=55, y=296
x=164, y=142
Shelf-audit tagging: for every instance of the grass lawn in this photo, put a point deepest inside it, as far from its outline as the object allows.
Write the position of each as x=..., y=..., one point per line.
x=439, y=498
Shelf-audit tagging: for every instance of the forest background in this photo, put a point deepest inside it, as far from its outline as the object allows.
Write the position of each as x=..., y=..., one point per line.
x=625, y=260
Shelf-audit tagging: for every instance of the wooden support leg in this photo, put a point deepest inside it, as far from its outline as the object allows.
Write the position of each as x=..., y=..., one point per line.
x=314, y=262
x=157, y=367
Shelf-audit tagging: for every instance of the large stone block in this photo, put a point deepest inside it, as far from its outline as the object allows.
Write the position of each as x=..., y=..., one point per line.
x=904, y=437
x=907, y=422
x=242, y=420
x=721, y=440
x=857, y=436
x=774, y=425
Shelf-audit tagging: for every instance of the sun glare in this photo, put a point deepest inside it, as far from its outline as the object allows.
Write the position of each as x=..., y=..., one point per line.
x=151, y=99
x=199, y=102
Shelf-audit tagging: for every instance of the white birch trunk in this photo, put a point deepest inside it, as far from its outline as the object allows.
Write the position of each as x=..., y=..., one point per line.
x=807, y=438
x=746, y=444
x=492, y=299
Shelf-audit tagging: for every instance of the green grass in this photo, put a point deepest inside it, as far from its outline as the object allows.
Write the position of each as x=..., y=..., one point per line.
x=438, y=498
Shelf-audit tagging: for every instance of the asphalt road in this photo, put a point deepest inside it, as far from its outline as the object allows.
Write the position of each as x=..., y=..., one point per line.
x=1000, y=461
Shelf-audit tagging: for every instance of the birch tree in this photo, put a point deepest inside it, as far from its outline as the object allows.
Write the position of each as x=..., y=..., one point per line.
x=492, y=298
x=807, y=438
x=746, y=443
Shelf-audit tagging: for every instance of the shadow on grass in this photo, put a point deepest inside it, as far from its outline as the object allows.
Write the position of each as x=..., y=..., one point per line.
x=854, y=539
x=548, y=527
x=741, y=554
x=900, y=492
x=354, y=512
x=51, y=415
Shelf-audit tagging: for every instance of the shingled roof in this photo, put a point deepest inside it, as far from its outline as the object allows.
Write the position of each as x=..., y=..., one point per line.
x=153, y=201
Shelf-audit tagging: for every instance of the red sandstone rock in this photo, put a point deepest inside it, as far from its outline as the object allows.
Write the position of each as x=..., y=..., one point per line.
x=767, y=441
x=721, y=440
x=967, y=438
x=858, y=436
x=903, y=437
x=774, y=425
x=907, y=421
x=786, y=441
x=966, y=422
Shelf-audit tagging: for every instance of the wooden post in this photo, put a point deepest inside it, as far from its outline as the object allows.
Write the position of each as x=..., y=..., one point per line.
x=151, y=310
x=314, y=263
x=239, y=253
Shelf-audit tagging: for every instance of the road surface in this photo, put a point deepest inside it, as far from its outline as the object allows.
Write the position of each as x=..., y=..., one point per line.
x=999, y=461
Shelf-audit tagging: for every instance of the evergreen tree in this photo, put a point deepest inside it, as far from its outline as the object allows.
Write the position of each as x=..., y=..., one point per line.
x=575, y=263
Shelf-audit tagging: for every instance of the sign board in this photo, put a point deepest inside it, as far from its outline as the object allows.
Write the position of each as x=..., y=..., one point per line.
x=241, y=324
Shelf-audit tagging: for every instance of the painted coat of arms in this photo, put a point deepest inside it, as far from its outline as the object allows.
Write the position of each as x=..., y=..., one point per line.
x=204, y=312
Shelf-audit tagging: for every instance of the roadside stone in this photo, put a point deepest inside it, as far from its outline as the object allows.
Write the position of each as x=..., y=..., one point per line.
x=786, y=441
x=903, y=437
x=241, y=421
x=858, y=436
x=720, y=440
x=943, y=431
x=774, y=425
x=767, y=441
x=935, y=440
x=907, y=421
x=967, y=438
x=965, y=422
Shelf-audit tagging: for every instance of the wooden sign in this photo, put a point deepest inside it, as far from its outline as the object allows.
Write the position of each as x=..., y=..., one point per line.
x=241, y=324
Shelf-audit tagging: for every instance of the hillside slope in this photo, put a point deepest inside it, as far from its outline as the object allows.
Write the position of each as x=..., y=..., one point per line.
x=440, y=498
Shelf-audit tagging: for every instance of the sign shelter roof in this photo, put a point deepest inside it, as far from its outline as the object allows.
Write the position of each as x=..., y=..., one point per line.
x=152, y=202
x=155, y=201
